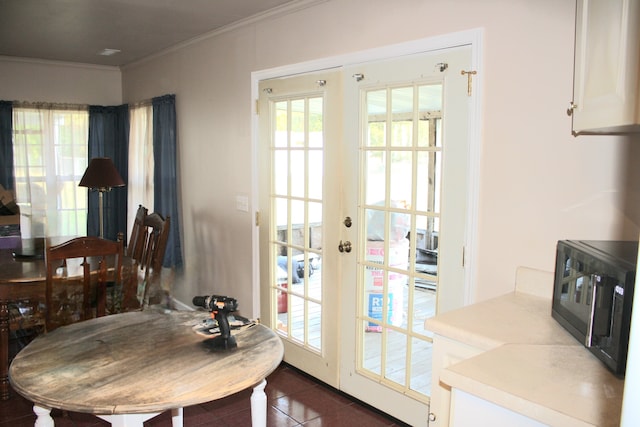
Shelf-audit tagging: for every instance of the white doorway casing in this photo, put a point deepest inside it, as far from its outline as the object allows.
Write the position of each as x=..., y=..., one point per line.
x=472, y=38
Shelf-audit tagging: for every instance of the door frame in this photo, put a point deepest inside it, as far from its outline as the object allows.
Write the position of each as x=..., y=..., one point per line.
x=474, y=38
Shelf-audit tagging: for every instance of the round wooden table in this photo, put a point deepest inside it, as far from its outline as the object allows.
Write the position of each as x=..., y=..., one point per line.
x=127, y=368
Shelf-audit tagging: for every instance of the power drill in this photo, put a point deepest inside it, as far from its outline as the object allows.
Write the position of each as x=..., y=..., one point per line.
x=220, y=307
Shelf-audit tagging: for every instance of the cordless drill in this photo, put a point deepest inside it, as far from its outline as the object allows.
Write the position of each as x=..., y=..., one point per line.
x=220, y=307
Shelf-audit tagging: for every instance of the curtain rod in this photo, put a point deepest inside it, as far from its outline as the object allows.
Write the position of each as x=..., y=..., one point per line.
x=63, y=106
x=50, y=105
x=144, y=103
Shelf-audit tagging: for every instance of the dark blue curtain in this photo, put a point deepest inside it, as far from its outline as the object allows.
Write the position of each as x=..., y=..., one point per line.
x=7, y=178
x=109, y=137
x=165, y=173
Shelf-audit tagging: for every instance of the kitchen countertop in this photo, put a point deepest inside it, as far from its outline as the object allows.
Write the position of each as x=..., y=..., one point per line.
x=515, y=318
x=531, y=365
x=557, y=385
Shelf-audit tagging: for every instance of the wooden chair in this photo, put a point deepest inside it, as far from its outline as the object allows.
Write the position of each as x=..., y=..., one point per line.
x=155, y=235
x=135, y=247
x=77, y=294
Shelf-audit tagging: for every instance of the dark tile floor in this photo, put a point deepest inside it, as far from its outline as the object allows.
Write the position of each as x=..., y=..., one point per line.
x=293, y=399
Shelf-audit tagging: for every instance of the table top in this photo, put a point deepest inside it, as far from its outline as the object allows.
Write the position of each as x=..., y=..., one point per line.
x=140, y=362
x=31, y=270
x=29, y=266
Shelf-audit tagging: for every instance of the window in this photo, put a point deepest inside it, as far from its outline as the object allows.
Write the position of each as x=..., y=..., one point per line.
x=50, y=157
x=141, y=172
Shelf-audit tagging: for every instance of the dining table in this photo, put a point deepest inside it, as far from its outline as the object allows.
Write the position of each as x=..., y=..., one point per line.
x=23, y=274
x=127, y=368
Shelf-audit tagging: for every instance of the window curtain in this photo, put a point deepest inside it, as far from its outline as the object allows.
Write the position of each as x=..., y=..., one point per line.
x=165, y=173
x=50, y=157
x=140, y=184
x=109, y=137
x=6, y=145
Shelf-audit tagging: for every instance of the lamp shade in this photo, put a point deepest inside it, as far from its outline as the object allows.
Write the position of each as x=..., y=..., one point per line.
x=101, y=174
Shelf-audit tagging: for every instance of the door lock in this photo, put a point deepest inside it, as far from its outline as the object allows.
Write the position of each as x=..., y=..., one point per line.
x=344, y=246
x=347, y=222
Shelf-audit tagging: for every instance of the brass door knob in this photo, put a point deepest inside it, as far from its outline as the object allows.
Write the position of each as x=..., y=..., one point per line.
x=344, y=246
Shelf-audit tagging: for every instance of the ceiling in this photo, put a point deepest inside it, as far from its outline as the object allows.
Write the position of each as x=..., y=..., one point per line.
x=77, y=30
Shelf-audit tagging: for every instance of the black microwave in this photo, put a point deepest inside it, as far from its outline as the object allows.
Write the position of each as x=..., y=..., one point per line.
x=593, y=294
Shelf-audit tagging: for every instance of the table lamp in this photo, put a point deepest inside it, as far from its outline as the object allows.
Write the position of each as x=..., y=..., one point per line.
x=101, y=175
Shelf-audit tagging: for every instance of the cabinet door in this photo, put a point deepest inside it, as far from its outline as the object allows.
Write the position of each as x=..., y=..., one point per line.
x=468, y=410
x=446, y=352
x=606, y=96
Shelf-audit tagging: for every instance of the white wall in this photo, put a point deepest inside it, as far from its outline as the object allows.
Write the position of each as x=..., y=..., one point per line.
x=48, y=81
x=538, y=183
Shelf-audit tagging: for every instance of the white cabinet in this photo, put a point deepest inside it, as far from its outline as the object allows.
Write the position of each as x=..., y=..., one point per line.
x=468, y=410
x=606, y=89
x=446, y=352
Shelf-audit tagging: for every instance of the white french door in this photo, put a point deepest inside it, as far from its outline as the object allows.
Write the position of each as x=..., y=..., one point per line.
x=299, y=162
x=363, y=202
x=407, y=151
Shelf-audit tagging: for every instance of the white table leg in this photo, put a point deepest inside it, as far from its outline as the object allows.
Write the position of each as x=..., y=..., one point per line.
x=125, y=420
x=177, y=417
x=259, y=405
x=137, y=420
x=43, y=416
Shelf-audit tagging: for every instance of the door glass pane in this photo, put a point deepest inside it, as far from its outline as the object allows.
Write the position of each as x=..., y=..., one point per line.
x=298, y=230
x=281, y=172
x=316, y=166
x=316, y=122
x=401, y=176
x=428, y=181
x=298, y=116
x=396, y=357
x=401, y=179
x=281, y=131
x=371, y=348
x=298, y=219
x=297, y=178
x=315, y=276
x=281, y=212
x=297, y=316
x=375, y=176
x=377, y=134
x=402, y=117
x=377, y=116
x=420, y=379
x=315, y=326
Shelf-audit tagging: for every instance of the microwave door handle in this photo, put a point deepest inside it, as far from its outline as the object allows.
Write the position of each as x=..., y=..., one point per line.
x=588, y=339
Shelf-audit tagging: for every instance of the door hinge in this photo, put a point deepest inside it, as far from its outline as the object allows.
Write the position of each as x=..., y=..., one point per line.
x=257, y=218
x=463, y=256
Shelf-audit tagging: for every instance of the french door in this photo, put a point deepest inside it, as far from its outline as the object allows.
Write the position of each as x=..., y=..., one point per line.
x=409, y=141
x=299, y=162
x=363, y=192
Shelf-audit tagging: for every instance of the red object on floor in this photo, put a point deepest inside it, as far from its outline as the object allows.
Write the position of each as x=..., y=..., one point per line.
x=283, y=303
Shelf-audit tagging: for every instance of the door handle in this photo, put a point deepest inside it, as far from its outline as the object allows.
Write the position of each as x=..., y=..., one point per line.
x=344, y=246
